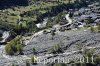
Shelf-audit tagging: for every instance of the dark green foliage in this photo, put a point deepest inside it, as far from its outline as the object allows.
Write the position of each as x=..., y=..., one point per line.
x=19, y=28
x=31, y=27
x=9, y=50
x=19, y=48
x=56, y=64
x=90, y=20
x=97, y=59
x=12, y=34
x=55, y=20
x=53, y=34
x=14, y=46
x=49, y=23
x=70, y=14
x=34, y=51
x=5, y=25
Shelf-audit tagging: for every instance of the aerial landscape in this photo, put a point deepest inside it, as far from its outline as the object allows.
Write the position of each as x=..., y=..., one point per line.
x=49, y=32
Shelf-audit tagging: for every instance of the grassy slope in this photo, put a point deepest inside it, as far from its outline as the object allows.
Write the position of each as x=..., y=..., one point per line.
x=11, y=14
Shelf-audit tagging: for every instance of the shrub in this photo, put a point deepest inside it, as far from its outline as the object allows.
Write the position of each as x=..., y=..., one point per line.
x=19, y=48
x=98, y=28
x=56, y=64
x=97, y=60
x=92, y=29
x=14, y=46
x=33, y=50
x=53, y=34
x=33, y=61
x=9, y=50
x=31, y=27
x=13, y=64
x=55, y=49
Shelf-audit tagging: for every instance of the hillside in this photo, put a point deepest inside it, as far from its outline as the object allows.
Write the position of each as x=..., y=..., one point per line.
x=49, y=33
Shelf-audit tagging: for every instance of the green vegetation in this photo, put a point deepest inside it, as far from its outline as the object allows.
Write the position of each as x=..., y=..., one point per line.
x=49, y=23
x=97, y=59
x=55, y=20
x=53, y=34
x=92, y=29
x=34, y=51
x=11, y=15
x=56, y=64
x=19, y=48
x=14, y=46
x=33, y=61
x=98, y=27
x=55, y=49
x=87, y=53
x=95, y=29
x=9, y=50
x=13, y=64
x=59, y=64
x=79, y=46
x=31, y=27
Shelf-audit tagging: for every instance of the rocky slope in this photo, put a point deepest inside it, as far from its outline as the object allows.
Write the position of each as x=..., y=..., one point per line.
x=43, y=42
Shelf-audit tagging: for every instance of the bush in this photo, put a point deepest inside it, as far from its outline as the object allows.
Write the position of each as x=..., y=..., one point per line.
x=53, y=34
x=33, y=50
x=31, y=27
x=97, y=60
x=13, y=64
x=55, y=49
x=14, y=46
x=98, y=28
x=19, y=48
x=56, y=64
x=92, y=29
x=9, y=50
x=33, y=61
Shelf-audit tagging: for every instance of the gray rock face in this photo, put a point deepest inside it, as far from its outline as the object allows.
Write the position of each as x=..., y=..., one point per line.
x=68, y=41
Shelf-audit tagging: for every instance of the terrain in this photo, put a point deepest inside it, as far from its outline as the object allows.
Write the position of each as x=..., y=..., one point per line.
x=45, y=30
